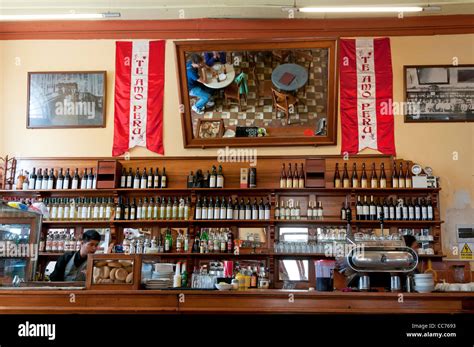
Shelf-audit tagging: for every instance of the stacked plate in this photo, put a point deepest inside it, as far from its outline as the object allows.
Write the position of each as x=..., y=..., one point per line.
x=161, y=278
x=424, y=283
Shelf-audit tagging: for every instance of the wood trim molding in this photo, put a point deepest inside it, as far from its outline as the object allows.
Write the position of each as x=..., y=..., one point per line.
x=237, y=28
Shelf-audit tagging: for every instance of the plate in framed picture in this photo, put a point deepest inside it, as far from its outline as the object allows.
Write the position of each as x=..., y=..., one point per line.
x=66, y=99
x=210, y=128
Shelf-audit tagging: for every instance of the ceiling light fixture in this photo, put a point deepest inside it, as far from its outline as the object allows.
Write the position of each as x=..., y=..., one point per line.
x=61, y=16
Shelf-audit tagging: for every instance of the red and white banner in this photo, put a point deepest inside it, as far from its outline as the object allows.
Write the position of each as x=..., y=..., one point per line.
x=139, y=85
x=366, y=79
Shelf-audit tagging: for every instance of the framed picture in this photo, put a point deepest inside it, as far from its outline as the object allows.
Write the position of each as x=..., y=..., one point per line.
x=439, y=93
x=210, y=129
x=67, y=99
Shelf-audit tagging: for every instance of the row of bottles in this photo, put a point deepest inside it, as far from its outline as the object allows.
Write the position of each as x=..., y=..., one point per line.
x=214, y=240
x=292, y=179
x=158, y=208
x=56, y=179
x=400, y=179
x=163, y=244
x=220, y=209
x=143, y=180
x=213, y=179
x=403, y=209
x=79, y=208
x=292, y=210
x=59, y=241
x=251, y=277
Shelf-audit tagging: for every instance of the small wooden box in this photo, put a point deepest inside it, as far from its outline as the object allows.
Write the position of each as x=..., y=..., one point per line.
x=314, y=173
x=108, y=174
x=113, y=261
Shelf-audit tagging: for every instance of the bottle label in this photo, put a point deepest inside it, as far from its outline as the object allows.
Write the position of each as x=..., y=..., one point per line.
x=282, y=182
x=136, y=183
x=405, y=212
x=212, y=182
x=383, y=183
x=424, y=212
x=392, y=212
x=365, y=210
x=150, y=182
x=248, y=214
x=379, y=211
x=31, y=186
x=408, y=183
x=301, y=183
x=395, y=183
x=163, y=181
x=89, y=184
x=289, y=183
x=123, y=181
x=267, y=214
x=386, y=212
x=355, y=183
x=337, y=183
x=411, y=213
x=50, y=184
x=374, y=183
x=198, y=213
x=59, y=184
x=430, y=213
x=223, y=213
x=143, y=183
x=417, y=213
x=372, y=211
x=108, y=212
x=363, y=183
x=66, y=184
x=401, y=183
x=74, y=184
x=220, y=182
x=346, y=183
x=230, y=213
x=398, y=213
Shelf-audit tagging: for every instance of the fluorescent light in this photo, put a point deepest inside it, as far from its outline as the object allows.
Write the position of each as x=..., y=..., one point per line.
x=63, y=16
x=361, y=9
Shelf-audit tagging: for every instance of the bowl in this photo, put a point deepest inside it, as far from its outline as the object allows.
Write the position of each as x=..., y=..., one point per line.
x=223, y=286
x=424, y=289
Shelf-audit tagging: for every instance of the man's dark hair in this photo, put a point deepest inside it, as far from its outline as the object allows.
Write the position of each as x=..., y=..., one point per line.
x=409, y=240
x=196, y=58
x=91, y=235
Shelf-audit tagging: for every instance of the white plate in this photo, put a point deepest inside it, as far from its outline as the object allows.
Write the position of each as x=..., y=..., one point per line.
x=217, y=67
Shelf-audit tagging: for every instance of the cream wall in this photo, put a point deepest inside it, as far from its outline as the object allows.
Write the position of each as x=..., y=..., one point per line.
x=436, y=145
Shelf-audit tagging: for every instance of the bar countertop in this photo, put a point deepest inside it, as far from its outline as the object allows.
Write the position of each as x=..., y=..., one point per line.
x=26, y=301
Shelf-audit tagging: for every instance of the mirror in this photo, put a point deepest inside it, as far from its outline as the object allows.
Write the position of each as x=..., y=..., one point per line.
x=252, y=237
x=257, y=93
x=293, y=270
x=289, y=234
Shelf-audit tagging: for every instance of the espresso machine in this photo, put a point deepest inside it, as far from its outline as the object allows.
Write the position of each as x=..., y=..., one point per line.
x=370, y=257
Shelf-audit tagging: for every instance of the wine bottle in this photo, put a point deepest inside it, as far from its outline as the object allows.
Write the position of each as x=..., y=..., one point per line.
x=355, y=177
x=220, y=178
x=67, y=179
x=32, y=183
x=60, y=181
x=295, y=177
x=136, y=179
x=123, y=179
x=157, y=179
x=190, y=180
x=84, y=179
x=283, y=177
x=429, y=209
x=90, y=180
x=301, y=178
x=289, y=177
x=75, y=179
x=144, y=179
x=345, y=177
x=363, y=178
x=394, y=176
x=373, y=178
x=164, y=179
x=383, y=178
x=213, y=177
x=401, y=177
x=408, y=177
x=359, y=209
x=372, y=209
x=337, y=177
x=365, y=209
x=39, y=180
x=44, y=182
x=150, y=179
x=130, y=178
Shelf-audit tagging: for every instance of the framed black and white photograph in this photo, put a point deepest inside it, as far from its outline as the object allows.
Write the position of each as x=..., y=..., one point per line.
x=71, y=99
x=441, y=93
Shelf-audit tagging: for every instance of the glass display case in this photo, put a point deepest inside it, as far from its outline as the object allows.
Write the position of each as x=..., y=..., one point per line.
x=19, y=234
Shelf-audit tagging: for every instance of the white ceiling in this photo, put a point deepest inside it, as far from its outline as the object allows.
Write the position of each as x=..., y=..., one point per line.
x=188, y=9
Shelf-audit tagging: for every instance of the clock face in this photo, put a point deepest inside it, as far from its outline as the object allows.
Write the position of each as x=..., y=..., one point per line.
x=416, y=169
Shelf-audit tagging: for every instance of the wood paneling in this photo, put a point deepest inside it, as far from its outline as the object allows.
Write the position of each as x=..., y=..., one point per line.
x=241, y=28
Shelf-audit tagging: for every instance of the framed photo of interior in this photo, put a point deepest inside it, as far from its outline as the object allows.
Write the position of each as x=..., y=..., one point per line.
x=67, y=99
x=439, y=93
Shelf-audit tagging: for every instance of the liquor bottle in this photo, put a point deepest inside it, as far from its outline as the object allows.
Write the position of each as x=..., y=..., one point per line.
x=126, y=210
x=411, y=210
x=44, y=182
x=394, y=176
x=204, y=209
x=156, y=209
x=392, y=210
x=282, y=210
x=383, y=177
x=295, y=177
x=184, y=275
x=75, y=180
x=248, y=210
x=212, y=178
x=133, y=210
x=223, y=210
x=405, y=215
x=136, y=180
x=90, y=180
x=345, y=178
x=355, y=177
x=138, y=214
x=84, y=179
x=254, y=208
x=174, y=209
x=179, y=242
x=241, y=210
x=220, y=178
x=373, y=178
x=157, y=179
x=67, y=209
x=301, y=178
x=320, y=210
x=385, y=210
x=163, y=209
x=123, y=179
x=39, y=180
x=267, y=209
x=348, y=212
x=51, y=179
x=372, y=209
x=343, y=212
x=417, y=209
x=359, y=208
x=429, y=209
x=129, y=179
x=289, y=177
x=363, y=179
x=230, y=209
x=67, y=179
x=143, y=179
x=186, y=242
x=253, y=178
x=297, y=210
x=169, y=208
x=60, y=181
x=401, y=177
x=164, y=179
x=32, y=183
x=365, y=209
x=150, y=179
x=210, y=209
x=230, y=241
x=168, y=241
x=408, y=179
x=337, y=177
x=190, y=180
x=277, y=210
x=118, y=209
x=282, y=177
x=254, y=278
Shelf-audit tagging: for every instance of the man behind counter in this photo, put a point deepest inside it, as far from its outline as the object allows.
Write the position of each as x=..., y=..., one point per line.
x=71, y=266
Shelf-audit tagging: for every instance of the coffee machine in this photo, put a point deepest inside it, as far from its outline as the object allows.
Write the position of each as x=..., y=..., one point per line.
x=382, y=257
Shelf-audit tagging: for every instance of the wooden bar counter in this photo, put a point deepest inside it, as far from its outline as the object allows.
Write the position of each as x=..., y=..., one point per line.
x=38, y=301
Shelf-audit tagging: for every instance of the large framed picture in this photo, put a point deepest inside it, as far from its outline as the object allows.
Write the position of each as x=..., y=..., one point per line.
x=439, y=93
x=70, y=99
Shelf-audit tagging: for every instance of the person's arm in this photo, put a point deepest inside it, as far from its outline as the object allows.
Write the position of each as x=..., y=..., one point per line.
x=209, y=58
x=58, y=273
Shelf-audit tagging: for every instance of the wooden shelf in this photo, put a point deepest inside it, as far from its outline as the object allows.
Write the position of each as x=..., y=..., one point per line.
x=398, y=222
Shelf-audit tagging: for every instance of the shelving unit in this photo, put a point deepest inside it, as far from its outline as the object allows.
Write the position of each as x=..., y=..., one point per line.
x=267, y=181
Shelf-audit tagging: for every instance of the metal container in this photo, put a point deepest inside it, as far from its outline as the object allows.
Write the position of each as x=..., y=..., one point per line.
x=395, y=284
x=382, y=259
x=364, y=282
